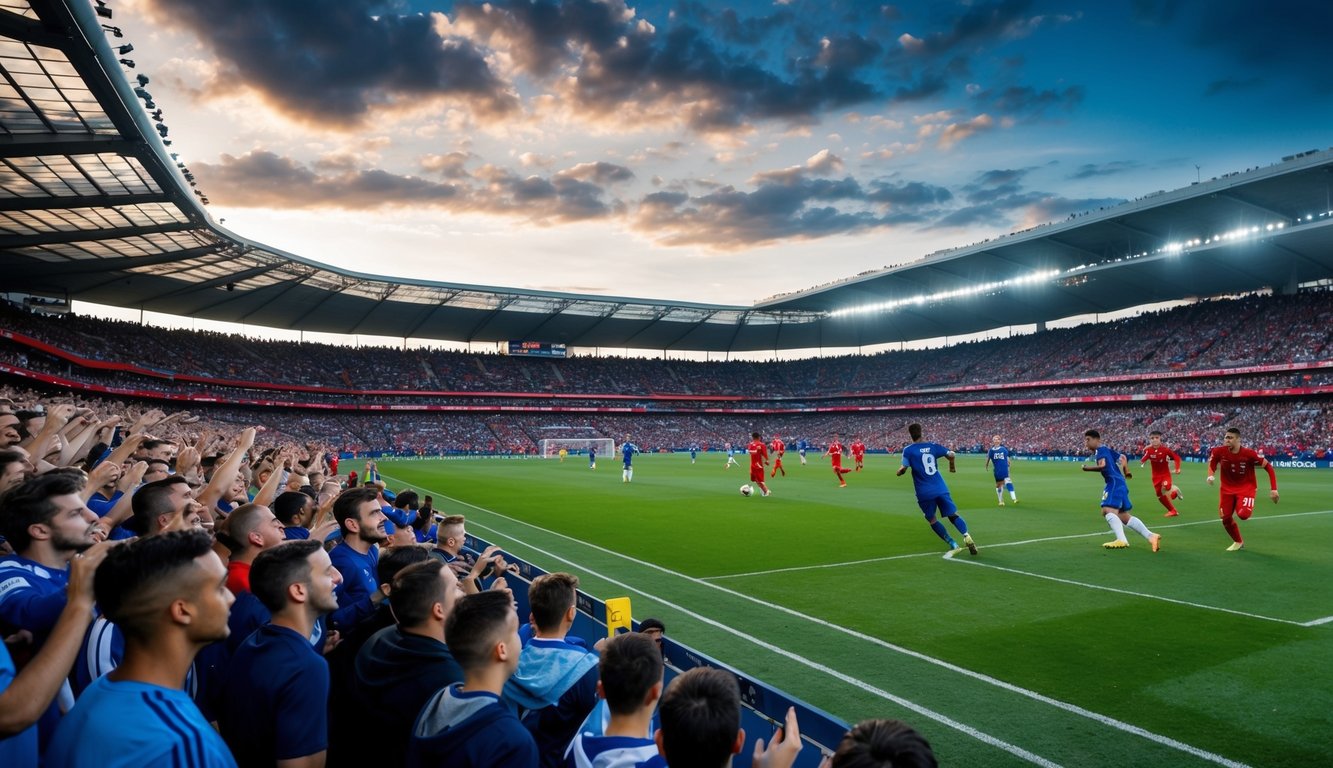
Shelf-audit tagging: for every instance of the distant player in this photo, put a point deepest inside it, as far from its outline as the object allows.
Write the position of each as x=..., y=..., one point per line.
x=694, y=452
x=1115, y=497
x=592, y=457
x=731, y=457
x=1238, y=483
x=997, y=458
x=801, y=452
x=1161, y=458
x=627, y=451
x=563, y=453
x=834, y=452
x=858, y=454
x=932, y=495
x=777, y=448
x=758, y=460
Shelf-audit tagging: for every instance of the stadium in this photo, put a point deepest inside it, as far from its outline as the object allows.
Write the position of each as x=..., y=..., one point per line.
x=598, y=435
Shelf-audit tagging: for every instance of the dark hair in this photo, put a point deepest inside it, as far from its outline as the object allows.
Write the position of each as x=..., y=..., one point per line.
x=396, y=560
x=288, y=505
x=883, y=744
x=10, y=456
x=153, y=499
x=1093, y=433
x=1233, y=431
x=30, y=503
x=475, y=625
x=631, y=665
x=348, y=505
x=549, y=598
x=914, y=430
x=280, y=567
x=416, y=589
x=754, y=435
x=407, y=500
x=150, y=444
x=132, y=572
x=701, y=715
x=1155, y=433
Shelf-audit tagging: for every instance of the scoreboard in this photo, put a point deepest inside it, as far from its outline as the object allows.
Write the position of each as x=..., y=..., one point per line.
x=536, y=349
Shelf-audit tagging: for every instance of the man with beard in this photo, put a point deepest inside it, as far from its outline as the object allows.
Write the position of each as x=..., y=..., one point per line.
x=276, y=695
x=361, y=520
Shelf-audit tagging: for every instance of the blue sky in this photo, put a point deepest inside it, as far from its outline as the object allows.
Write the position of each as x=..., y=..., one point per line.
x=708, y=151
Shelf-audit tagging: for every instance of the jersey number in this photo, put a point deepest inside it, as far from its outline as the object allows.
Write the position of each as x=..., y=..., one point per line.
x=928, y=463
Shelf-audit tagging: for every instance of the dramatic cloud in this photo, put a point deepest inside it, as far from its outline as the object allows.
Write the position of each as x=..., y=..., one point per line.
x=994, y=198
x=956, y=132
x=333, y=61
x=1092, y=170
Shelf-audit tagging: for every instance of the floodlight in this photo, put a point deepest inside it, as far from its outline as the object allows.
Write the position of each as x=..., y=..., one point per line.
x=115, y=31
x=141, y=79
x=124, y=49
x=127, y=63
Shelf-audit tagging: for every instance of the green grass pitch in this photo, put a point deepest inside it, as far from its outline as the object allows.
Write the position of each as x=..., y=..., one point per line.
x=1044, y=649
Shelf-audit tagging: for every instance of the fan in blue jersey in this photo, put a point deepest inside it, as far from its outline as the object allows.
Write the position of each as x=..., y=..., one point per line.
x=627, y=451
x=1115, y=496
x=630, y=681
x=997, y=458
x=931, y=492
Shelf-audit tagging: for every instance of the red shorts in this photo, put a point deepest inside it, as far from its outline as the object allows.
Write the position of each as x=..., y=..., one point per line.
x=1161, y=482
x=777, y=462
x=837, y=462
x=756, y=473
x=1240, y=504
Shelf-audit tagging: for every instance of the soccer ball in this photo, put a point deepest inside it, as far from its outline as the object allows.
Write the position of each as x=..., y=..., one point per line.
x=746, y=490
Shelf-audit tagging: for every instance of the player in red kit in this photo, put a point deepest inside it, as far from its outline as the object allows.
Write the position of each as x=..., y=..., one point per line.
x=834, y=452
x=1238, y=483
x=858, y=454
x=777, y=448
x=1161, y=458
x=758, y=460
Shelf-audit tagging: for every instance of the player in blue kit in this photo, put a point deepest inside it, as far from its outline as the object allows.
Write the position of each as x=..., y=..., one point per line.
x=627, y=451
x=998, y=459
x=1115, y=497
x=931, y=492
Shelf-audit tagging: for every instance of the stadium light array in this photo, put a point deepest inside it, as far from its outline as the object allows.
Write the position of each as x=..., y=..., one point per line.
x=956, y=293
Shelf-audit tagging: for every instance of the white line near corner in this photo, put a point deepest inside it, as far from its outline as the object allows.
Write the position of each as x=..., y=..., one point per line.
x=1073, y=709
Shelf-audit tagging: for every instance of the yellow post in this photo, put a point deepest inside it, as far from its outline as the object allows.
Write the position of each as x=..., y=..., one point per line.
x=617, y=615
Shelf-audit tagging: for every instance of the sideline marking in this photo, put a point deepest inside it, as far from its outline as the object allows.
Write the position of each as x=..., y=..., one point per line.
x=1317, y=622
x=1074, y=709
x=988, y=546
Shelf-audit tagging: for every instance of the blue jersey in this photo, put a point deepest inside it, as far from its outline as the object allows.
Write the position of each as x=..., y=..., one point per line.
x=275, y=699
x=628, y=450
x=999, y=459
x=923, y=460
x=19, y=750
x=358, y=572
x=1111, y=471
x=168, y=730
x=31, y=597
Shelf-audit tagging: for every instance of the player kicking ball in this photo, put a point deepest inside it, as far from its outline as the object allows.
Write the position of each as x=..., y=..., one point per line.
x=1115, y=497
x=932, y=495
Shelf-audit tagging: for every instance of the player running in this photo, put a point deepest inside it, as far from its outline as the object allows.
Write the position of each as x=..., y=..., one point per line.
x=627, y=451
x=998, y=459
x=758, y=460
x=801, y=452
x=777, y=448
x=592, y=457
x=858, y=454
x=1161, y=457
x=834, y=452
x=1238, y=483
x=932, y=495
x=731, y=457
x=1115, y=497
x=694, y=452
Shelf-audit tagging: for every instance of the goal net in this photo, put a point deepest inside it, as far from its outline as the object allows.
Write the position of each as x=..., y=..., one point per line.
x=551, y=446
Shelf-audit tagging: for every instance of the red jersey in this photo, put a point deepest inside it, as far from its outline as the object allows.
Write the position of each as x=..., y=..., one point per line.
x=758, y=453
x=1238, y=469
x=858, y=449
x=835, y=452
x=1161, y=458
x=777, y=447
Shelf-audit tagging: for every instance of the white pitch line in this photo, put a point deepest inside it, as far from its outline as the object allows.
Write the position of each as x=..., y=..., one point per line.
x=1116, y=590
x=1317, y=622
x=796, y=568
x=1073, y=709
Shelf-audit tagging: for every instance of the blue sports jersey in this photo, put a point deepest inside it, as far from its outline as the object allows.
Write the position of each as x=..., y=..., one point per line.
x=999, y=458
x=628, y=450
x=275, y=698
x=31, y=597
x=19, y=750
x=168, y=730
x=358, y=572
x=923, y=458
x=1111, y=471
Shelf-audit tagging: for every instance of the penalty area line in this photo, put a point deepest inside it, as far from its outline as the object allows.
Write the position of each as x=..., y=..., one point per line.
x=1073, y=709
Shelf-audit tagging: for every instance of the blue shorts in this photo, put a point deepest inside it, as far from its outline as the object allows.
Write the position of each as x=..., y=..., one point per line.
x=1116, y=496
x=943, y=504
x=1001, y=475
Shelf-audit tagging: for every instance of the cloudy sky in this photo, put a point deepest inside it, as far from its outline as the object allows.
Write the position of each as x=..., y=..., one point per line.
x=708, y=151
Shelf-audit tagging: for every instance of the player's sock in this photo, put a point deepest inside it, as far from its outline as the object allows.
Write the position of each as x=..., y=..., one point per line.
x=1136, y=525
x=1233, y=530
x=959, y=523
x=1009, y=486
x=631, y=476
x=1166, y=502
x=999, y=495
x=940, y=531
x=1117, y=527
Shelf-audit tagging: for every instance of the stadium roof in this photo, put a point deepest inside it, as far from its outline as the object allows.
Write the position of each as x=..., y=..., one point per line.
x=94, y=207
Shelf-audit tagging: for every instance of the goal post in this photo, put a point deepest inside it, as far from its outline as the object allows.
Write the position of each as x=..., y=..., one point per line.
x=550, y=447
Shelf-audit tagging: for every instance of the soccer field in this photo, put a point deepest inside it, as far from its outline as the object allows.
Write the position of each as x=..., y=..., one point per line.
x=1044, y=649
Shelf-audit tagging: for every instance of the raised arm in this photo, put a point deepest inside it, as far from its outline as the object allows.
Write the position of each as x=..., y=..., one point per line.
x=226, y=472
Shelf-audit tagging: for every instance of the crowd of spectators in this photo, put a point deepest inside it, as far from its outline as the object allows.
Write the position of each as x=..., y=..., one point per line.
x=1255, y=330
x=175, y=593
